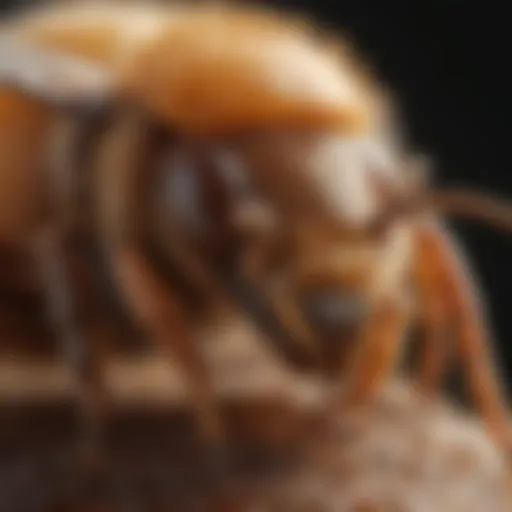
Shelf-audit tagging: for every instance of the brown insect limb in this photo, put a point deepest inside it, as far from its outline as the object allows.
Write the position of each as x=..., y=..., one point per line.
x=266, y=254
x=167, y=325
x=464, y=203
x=456, y=297
x=74, y=88
x=473, y=342
x=75, y=308
x=289, y=316
x=470, y=204
x=215, y=202
x=269, y=254
x=121, y=165
x=434, y=320
x=239, y=279
x=376, y=351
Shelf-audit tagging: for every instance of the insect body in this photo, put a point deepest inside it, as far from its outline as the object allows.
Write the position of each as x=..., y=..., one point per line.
x=296, y=190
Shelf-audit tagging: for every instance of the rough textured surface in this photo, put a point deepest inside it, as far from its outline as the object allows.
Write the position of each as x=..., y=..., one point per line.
x=288, y=451
x=394, y=456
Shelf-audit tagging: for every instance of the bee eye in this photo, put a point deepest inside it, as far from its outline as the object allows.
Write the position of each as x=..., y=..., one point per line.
x=333, y=310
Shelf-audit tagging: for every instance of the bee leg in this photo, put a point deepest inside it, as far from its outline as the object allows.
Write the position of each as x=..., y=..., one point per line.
x=123, y=193
x=73, y=308
x=473, y=343
x=377, y=351
x=434, y=319
x=157, y=309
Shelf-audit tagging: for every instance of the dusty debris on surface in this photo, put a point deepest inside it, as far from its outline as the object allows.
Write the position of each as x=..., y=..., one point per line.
x=288, y=452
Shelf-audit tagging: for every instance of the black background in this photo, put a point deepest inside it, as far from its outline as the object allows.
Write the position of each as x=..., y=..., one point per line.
x=448, y=63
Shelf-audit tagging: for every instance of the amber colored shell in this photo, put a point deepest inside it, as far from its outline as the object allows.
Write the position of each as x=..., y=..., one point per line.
x=22, y=149
x=205, y=71
x=217, y=69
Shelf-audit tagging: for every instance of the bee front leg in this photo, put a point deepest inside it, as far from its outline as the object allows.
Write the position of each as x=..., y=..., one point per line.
x=434, y=319
x=472, y=339
x=377, y=351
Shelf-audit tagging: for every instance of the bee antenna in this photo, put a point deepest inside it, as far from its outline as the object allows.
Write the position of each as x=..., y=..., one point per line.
x=469, y=204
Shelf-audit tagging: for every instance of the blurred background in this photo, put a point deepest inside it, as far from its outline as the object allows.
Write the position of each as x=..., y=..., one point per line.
x=447, y=62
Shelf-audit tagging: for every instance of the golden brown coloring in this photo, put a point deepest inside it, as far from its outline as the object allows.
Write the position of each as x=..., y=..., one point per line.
x=293, y=176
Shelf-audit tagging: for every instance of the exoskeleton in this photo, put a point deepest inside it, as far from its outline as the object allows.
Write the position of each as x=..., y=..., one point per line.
x=250, y=157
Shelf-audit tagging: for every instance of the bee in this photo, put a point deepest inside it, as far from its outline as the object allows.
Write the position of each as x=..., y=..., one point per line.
x=231, y=154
